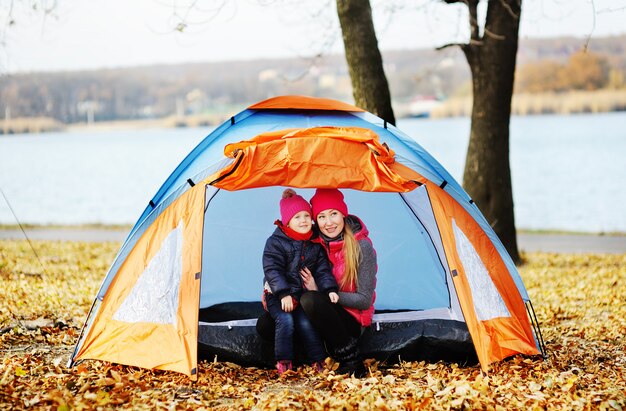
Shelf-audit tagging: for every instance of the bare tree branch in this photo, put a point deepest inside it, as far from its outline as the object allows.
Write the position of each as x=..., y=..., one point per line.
x=451, y=45
x=472, y=5
x=508, y=9
x=182, y=13
x=494, y=35
x=466, y=48
x=461, y=45
x=14, y=12
x=593, y=27
x=611, y=10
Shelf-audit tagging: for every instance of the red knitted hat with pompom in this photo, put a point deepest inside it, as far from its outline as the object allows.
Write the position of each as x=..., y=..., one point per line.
x=291, y=204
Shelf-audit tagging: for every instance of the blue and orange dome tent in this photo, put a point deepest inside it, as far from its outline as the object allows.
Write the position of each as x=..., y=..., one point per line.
x=188, y=278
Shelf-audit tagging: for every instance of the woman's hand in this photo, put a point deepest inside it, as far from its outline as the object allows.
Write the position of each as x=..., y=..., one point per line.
x=308, y=280
x=334, y=297
x=286, y=303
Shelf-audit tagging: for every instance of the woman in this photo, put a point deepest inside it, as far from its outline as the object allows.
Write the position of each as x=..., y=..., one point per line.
x=353, y=258
x=352, y=255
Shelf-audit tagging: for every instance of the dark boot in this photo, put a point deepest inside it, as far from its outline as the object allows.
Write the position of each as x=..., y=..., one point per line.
x=350, y=359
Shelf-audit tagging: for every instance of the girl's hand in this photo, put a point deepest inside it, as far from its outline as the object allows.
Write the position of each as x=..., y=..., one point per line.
x=334, y=297
x=308, y=280
x=286, y=304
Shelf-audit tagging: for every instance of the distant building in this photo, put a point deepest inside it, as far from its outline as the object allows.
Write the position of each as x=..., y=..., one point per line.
x=196, y=101
x=422, y=106
x=267, y=75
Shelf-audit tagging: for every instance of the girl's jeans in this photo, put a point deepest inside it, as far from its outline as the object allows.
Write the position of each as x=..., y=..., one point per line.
x=290, y=324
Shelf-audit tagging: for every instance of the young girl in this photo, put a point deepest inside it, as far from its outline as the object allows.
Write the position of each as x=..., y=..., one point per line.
x=287, y=252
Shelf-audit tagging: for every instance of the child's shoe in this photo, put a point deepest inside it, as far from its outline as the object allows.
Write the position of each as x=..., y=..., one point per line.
x=283, y=366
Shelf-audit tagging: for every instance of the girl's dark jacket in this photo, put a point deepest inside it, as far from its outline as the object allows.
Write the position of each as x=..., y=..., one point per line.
x=284, y=257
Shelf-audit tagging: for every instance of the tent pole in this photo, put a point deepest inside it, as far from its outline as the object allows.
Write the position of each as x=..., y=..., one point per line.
x=71, y=361
x=536, y=328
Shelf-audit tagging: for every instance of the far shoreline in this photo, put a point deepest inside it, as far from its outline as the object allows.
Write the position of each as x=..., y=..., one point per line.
x=523, y=104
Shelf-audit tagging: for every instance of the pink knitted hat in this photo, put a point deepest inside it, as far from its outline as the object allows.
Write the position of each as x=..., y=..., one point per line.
x=327, y=198
x=291, y=204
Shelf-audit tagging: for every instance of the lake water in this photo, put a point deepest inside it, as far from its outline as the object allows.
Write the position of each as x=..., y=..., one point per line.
x=568, y=171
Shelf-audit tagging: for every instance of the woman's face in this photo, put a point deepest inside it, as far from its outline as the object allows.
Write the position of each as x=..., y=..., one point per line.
x=330, y=222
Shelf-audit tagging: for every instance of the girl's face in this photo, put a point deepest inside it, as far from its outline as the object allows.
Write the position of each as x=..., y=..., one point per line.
x=301, y=222
x=330, y=222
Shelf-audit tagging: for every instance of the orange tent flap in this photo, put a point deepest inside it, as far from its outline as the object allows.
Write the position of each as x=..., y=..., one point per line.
x=149, y=314
x=340, y=157
x=303, y=102
x=507, y=331
x=354, y=134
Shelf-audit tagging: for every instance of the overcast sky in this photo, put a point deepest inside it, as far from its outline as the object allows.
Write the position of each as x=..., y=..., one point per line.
x=92, y=34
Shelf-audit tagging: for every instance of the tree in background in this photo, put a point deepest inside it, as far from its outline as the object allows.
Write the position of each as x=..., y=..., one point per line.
x=365, y=64
x=584, y=70
x=491, y=54
x=539, y=77
x=492, y=57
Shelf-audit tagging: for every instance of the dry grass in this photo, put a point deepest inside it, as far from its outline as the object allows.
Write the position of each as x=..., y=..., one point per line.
x=46, y=124
x=571, y=102
x=580, y=302
x=30, y=125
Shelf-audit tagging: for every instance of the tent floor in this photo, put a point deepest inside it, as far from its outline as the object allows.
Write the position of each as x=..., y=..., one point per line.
x=421, y=340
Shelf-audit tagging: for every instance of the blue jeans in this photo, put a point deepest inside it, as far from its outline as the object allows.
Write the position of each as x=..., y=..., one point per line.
x=290, y=324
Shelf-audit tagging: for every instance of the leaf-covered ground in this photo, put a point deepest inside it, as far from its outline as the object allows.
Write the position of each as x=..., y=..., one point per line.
x=580, y=301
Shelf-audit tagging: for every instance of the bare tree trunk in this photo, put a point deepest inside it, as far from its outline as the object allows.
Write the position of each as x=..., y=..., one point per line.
x=492, y=59
x=369, y=84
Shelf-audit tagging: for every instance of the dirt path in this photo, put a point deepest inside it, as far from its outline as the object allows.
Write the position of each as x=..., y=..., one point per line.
x=558, y=243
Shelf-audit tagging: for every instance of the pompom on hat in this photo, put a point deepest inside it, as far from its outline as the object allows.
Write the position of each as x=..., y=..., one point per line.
x=291, y=204
x=328, y=198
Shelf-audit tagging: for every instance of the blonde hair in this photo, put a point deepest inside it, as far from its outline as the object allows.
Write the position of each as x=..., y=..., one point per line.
x=352, y=258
